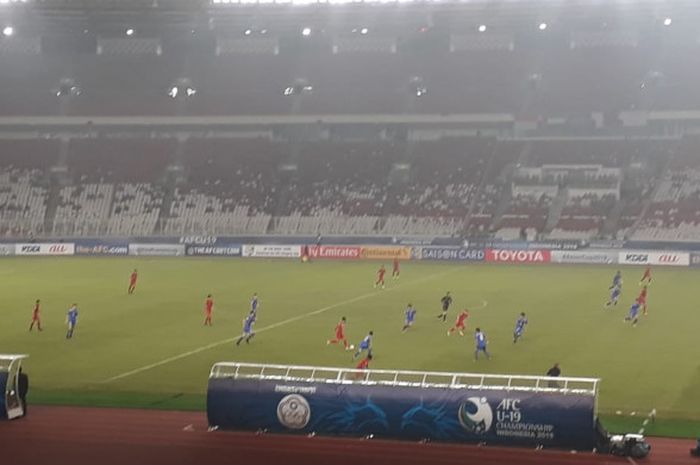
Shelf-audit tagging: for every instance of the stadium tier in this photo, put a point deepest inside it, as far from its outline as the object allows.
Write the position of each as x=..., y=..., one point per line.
x=451, y=186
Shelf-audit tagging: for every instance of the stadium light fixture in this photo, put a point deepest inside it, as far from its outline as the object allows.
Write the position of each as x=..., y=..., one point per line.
x=182, y=89
x=67, y=88
x=247, y=32
x=8, y=31
x=306, y=31
x=364, y=31
x=668, y=22
x=542, y=26
x=129, y=32
x=482, y=28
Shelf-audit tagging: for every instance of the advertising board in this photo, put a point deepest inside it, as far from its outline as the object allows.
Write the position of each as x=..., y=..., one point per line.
x=663, y=258
x=592, y=257
x=385, y=252
x=157, y=250
x=449, y=253
x=518, y=256
x=410, y=413
x=45, y=248
x=99, y=247
x=337, y=252
x=228, y=250
x=271, y=251
x=7, y=249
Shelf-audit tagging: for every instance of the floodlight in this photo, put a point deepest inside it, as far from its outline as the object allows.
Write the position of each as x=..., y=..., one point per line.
x=182, y=89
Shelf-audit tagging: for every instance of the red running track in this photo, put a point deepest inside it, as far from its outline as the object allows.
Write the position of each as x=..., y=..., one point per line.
x=88, y=436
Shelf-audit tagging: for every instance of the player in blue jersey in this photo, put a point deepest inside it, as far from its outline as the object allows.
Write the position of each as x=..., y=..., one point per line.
x=71, y=320
x=365, y=344
x=254, y=304
x=633, y=315
x=481, y=341
x=614, y=296
x=409, y=317
x=248, y=332
x=519, y=327
x=617, y=280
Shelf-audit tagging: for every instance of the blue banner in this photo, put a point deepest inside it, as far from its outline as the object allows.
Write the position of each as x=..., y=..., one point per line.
x=219, y=250
x=448, y=253
x=101, y=247
x=412, y=413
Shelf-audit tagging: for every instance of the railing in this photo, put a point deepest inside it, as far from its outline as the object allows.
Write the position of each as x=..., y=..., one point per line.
x=404, y=378
x=7, y=360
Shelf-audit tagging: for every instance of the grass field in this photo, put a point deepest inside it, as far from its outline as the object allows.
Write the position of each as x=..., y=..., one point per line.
x=151, y=349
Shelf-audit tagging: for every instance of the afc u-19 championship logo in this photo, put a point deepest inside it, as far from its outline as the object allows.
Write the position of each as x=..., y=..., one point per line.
x=293, y=411
x=475, y=415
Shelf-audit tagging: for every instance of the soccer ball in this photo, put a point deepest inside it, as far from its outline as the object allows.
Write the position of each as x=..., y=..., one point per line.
x=352, y=347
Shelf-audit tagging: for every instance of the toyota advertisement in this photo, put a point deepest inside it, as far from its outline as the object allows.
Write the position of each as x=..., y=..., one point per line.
x=518, y=256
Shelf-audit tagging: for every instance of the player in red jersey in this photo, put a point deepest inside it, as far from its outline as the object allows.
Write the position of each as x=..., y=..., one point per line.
x=340, y=334
x=132, y=281
x=396, y=271
x=460, y=323
x=363, y=365
x=36, y=318
x=646, y=279
x=380, y=276
x=642, y=300
x=208, y=310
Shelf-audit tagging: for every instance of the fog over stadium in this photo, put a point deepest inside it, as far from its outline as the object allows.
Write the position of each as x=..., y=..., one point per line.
x=511, y=155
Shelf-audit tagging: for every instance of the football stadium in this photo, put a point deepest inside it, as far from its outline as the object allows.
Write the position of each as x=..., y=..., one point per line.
x=383, y=231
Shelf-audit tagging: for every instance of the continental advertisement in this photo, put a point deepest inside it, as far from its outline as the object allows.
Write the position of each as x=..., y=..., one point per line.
x=385, y=252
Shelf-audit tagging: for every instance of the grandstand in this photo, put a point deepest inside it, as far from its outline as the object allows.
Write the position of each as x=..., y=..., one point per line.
x=450, y=186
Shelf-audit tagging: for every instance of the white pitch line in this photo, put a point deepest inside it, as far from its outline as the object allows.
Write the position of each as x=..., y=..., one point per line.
x=272, y=326
x=651, y=417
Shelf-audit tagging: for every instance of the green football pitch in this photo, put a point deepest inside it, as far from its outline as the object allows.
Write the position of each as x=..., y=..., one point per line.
x=151, y=348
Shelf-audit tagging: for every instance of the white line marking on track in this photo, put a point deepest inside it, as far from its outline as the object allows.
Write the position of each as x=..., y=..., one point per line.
x=631, y=460
x=273, y=326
